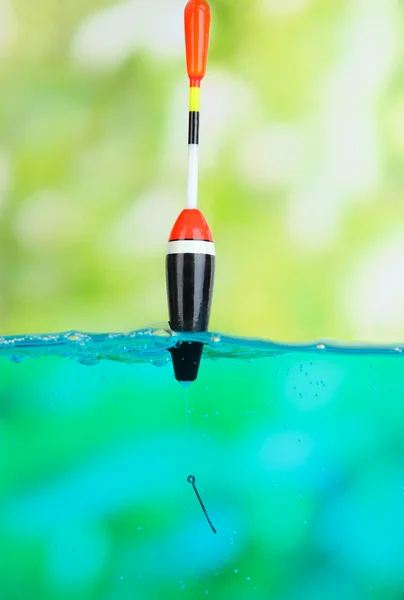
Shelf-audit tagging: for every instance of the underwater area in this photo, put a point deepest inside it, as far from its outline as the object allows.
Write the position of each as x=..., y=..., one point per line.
x=297, y=454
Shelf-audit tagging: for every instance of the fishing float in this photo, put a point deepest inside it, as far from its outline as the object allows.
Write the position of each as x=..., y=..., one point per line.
x=190, y=259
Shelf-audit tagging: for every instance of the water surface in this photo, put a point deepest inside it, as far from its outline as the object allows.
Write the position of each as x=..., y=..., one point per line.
x=297, y=450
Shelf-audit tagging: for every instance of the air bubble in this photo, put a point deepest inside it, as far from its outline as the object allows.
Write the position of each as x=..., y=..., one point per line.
x=88, y=361
x=16, y=359
x=160, y=363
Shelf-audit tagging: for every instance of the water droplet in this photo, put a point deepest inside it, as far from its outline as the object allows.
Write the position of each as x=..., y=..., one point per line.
x=206, y=592
x=320, y=347
x=248, y=578
x=121, y=578
x=235, y=571
x=206, y=416
x=139, y=528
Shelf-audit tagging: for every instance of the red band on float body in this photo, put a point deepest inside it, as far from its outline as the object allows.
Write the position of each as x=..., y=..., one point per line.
x=191, y=225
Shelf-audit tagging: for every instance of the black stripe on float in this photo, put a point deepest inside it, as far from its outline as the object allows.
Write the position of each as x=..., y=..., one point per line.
x=189, y=240
x=193, y=127
x=189, y=305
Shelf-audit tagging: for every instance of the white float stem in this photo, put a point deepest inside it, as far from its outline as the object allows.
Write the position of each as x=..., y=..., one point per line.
x=192, y=187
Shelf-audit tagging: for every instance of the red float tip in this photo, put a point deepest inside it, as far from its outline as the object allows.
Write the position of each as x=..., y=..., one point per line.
x=197, y=26
x=191, y=225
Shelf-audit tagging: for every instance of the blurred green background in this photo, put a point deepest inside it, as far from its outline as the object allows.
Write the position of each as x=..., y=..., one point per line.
x=302, y=151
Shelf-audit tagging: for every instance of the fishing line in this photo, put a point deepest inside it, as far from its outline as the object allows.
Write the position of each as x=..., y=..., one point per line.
x=186, y=419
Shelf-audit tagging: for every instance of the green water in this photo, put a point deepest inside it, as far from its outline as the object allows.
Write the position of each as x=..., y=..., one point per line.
x=298, y=454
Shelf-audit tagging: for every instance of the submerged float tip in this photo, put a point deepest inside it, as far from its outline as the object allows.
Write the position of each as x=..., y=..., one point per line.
x=186, y=359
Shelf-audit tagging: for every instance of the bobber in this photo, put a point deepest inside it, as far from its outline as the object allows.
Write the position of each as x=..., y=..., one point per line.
x=190, y=260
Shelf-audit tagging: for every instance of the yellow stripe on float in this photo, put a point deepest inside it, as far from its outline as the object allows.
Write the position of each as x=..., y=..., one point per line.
x=194, y=99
